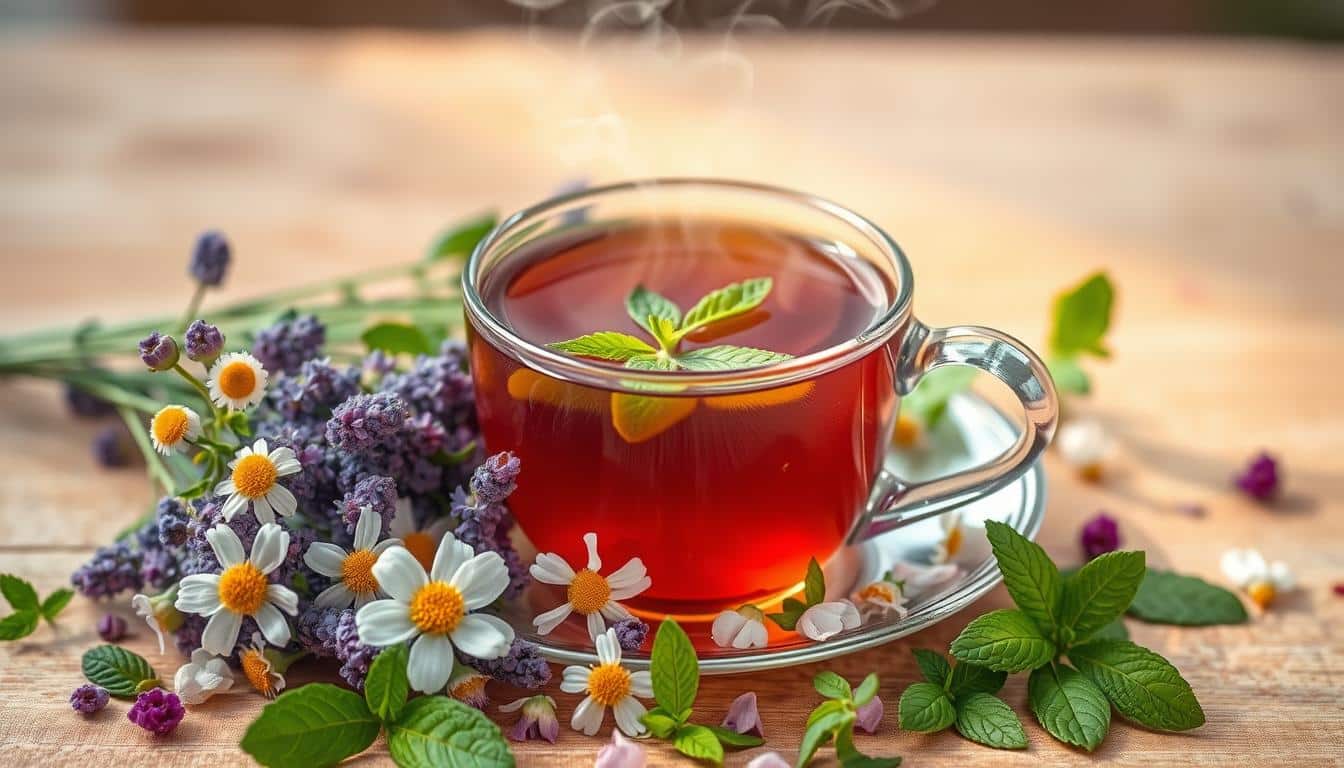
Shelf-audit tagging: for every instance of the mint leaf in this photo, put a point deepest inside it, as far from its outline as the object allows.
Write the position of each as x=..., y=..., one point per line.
x=55, y=603
x=1100, y=592
x=396, y=339
x=814, y=583
x=116, y=669
x=1069, y=706
x=820, y=729
x=19, y=593
x=933, y=666
x=973, y=678
x=832, y=686
x=461, y=240
x=607, y=345
x=18, y=624
x=928, y=401
x=851, y=757
x=665, y=331
x=1005, y=641
x=659, y=723
x=642, y=304
x=1069, y=376
x=1029, y=574
x=1081, y=317
x=435, y=731
x=1165, y=597
x=985, y=719
x=726, y=357
x=787, y=619
x=733, y=738
x=699, y=742
x=387, y=686
x=925, y=708
x=674, y=668
x=651, y=362
x=729, y=301
x=1145, y=687
x=1114, y=631
x=867, y=690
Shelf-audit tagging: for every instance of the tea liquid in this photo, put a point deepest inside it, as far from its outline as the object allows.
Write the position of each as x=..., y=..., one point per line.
x=727, y=502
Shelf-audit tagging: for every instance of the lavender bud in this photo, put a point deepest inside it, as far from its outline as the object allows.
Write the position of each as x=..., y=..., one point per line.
x=109, y=447
x=111, y=627
x=159, y=352
x=210, y=258
x=85, y=405
x=87, y=699
x=204, y=342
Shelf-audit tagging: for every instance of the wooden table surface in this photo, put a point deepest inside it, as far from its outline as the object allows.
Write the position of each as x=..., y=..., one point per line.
x=1205, y=176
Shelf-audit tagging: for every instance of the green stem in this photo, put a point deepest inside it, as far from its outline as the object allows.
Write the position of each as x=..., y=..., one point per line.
x=202, y=391
x=192, y=307
x=153, y=461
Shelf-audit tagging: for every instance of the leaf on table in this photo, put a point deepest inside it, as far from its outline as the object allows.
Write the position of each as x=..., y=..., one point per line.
x=397, y=339
x=1069, y=375
x=832, y=686
x=986, y=719
x=932, y=665
x=118, y=670
x=435, y=731
x=18, y=624
x=1100, y=592
x=1142, y=685
x=699, y=742
x=1069, y=706
x=926, y=708
x=19, y=593
x=386, y=686
x=973, y=678
x=55, y=603
x=674, y=668
x=1166, y=597
x=1004, y=641
x=461, y=240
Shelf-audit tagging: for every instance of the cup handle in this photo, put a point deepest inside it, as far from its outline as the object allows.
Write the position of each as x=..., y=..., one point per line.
x=896, y=502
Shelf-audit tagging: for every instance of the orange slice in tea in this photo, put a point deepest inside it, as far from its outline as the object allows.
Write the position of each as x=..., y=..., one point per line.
x=527, y=384
x=766, y=398
x=640, y=417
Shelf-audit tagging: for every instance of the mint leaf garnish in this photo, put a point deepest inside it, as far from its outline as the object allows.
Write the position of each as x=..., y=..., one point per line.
x=699, y=742
x=1003, y=640
x=1165, y=597
x=19, y=624
x=933, y=666
x=972, y=678
x=985, y=719
x=437, y=731
x=1100, y=592
x=387, y=686
x=821, y=729
x=1029, y=574
x=660, y=724
x=1069, y=706
x=866, y=691
x=725, y=357
x=1082, y=317
x=19, y=593
x=643, y=304
x=834, y=720
x=1142, y=685
x=729, y=301
x=118, y=670
x=814, y=591
x=607, y=345
x=832, y=686
x=55, y=603
x=674, y=669
x=1114, y=631
x=925, y=708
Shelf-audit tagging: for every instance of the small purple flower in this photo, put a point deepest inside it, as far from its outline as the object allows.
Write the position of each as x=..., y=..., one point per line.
x=285, y=345
x=112, y=570
x=376, y=492
x=522, y=667
x=355, y=657
x=157, y=711
x=743, y=717
x=172, y=522
x=1260, y=479
x=378, y=364
x=111, y=627
x=495, y=479
x=870, y=715
x=109, y=447
x=366, y=422
x=87, y=699
x=159, y=352
x=630, y=633
x=538, y=720
x=317, y=630
x=1100, y=535
x=86, y=405
x=210, y=258
x=204, y=342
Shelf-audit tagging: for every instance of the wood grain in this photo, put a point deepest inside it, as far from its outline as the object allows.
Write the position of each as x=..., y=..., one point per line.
x=1203, y=176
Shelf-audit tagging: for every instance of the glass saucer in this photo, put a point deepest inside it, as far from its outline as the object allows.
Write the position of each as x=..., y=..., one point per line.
x=971, y=432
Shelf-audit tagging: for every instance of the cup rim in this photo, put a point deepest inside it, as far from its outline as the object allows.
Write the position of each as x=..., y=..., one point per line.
x=583, y=371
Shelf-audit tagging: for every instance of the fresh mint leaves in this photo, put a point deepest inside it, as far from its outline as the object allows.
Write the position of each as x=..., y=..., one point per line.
x=436, y=731
x=608, y=345
x=834, y=719
x=926, y=708
x=1074, y=617
x=316, y=724
x=1166, y=597
x=962, y=696
x=814, y=592
x=121, y=672
x=28, y=610
x=986, y=719
x=1081, y=319
x=675, y=672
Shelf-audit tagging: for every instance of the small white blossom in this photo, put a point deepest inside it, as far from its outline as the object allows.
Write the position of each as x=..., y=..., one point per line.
x=1260, y=579
x=741, y=628
x=826, y=620
x=202, y=677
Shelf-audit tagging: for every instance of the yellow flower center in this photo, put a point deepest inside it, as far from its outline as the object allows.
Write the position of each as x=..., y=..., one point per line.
x=242, y=588
x=357, y=572
x=878, y=590
x=237, y=380
x=437, y=608
x=258, y=671
x=907, y=431
x=472, y=687
x=953, y=543
x=608, y=684
x=422, y=547
x=1261, y=593
x=170, y=425
x=588, y=592
x=1091, y=473
x=254, y=476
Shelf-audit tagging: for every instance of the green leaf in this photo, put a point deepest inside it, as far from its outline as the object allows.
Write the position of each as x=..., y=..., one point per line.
x=55, y=603
x=148, y=685
x=240, y=424
x=832, y=686
x=1100, y=592
x=1114, y=631
x=1166, y=597
x=316, y=724
x=729, y=301
x=925, y=708
x=973, y=678
x=1081, y=317
x=825, y=708
x=726, y=357
x=1004, y=641
x=851, y=757
x=819, y=730
x=927, y=402
x=116, y=669
x=932, y=665
x=1029, y=574
x=1069, y=376
x=651, y=362
x=730, y=738
x=1069, y=706
x=699, y=742
x=386, y=686
x=396, y=339
x=674, y=668
x=18, y=624
x=435, y=731
x=659, y=723
x=642, y=304
x=866, y=690
x=814, y=584
x=19, y=593
x=985, y=719
x=607, y=345
x=787, y=619
x=461, y=240
x=1142, y=685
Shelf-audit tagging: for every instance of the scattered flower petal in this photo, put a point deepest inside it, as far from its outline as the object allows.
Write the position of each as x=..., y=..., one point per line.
x=202, y=677
x=159, y=613
x=1085, y=445
x=111, y=627
x=870, y=715
x=769, y=760
x=260, y=668
x=743, y=716
x=538, y=720
x=1260, y=478
x=826, y=620
x=468, y=686
x=919, y=580
x=1100, y=535
x=589, y=593
x=620, y=753
x=964, y=541
x=741, y=628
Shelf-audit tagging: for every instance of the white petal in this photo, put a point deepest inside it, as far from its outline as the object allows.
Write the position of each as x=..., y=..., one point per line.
x=551, y=569
x=608, y=648
x=575, y=679
x=282, y=455
x=513, y=706
x=270, y=547
x=260, y=446
x=596, y=626
x=282, y=500
x=628, y=575
x=325, y=558
x=364, y=598
x=221, y=633
x=335, y=596
x=262, y=509
x=226, y=545
x=641, y=684
x=272, y=625
x=451, y=555
x=753, y=635
x=384, y=622
x=587, y=717
x=594, y=562
x=387, y=544
x=236, y=503
x=282, y=597
x=614, y=611
x=367, y=528
x=1280, y=576
x=628, y=711
x=431, y=663
x=545, y=622
x=226, y=487
x=399, y=574
x=483, y=636
x=725, y=628
x=197, y=593
x=630, y=590
x=403, y=519
x=481, y=579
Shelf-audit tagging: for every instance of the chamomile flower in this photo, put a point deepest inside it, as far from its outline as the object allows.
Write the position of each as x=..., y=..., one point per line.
x=255, y=479
x=260, y=670
x=740, y=628
x=608, y=685
x=355, y=583
x=825, y=620
x=1261, y=580
x=878, y=599
x=589, y=593
x=422, y=543
x=243, y=589
x=434, y=609
x=963, y=541
x=202, y=677
x=237, y=381
x=159, y=613
x=172, y=427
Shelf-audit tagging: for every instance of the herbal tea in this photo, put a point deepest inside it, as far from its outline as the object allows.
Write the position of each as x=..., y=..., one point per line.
x=726, y=497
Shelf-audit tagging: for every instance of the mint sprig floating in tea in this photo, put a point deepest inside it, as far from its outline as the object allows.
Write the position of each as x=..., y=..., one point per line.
x=834, y=719
x=28, y=609
x=961, y=696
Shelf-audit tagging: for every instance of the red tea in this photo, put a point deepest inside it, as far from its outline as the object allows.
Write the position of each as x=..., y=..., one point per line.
x=726, y=497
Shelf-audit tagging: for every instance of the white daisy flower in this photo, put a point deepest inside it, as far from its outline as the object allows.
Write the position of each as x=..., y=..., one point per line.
x=608, y=685
x=237, y=381
x=963, y=541
x=172, y=427
x=158, y=612
x=826, y=620
x=202, y=677
x=740, y=628
x=436, y=608
x=1085, y=444
x=878, y=599
x=355, y=583
x=1258, y=578
x=243, y=589
x=590, y=593
x=422, y=543
x=255, y=479
x=259, y=668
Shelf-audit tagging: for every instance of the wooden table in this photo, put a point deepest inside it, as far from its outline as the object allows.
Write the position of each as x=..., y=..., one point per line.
x=1204, y=176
